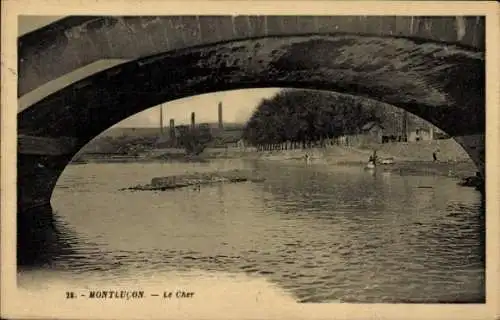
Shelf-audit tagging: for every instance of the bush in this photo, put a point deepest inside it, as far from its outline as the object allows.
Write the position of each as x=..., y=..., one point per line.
x=195, y=140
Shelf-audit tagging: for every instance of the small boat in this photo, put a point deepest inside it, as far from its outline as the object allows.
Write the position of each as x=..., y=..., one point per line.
x=370, y=166
x=387, y=161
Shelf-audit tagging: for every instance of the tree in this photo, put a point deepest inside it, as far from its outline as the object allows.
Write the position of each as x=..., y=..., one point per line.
x=195, y=140
x=307, y=117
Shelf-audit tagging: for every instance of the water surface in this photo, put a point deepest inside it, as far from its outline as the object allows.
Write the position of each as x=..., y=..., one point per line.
x=317, y=233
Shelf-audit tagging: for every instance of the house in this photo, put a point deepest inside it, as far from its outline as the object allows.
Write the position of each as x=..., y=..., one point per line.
x=227, y=138
x=420, y=134
x=372, y=132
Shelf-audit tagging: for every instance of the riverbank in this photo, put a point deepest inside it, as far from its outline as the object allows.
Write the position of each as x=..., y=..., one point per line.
x=457, y=169
x=409, y=158
x=169, y=155
x=448, y=150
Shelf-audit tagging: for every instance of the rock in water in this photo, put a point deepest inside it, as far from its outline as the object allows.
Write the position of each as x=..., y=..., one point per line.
x=197, y=179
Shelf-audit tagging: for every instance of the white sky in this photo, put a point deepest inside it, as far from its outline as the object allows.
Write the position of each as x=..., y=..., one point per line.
x=238, y=105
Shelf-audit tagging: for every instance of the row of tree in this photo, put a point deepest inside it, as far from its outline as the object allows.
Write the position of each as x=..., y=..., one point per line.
x=304, y=118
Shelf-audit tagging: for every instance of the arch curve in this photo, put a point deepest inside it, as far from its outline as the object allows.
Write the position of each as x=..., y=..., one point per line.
x=441, y=83
x=76, y=41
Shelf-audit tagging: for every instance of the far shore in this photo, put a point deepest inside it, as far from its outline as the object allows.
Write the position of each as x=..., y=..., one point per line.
x=458, y=167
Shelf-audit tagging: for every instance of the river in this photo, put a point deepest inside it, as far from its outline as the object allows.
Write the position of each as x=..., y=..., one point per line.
x=310, y=233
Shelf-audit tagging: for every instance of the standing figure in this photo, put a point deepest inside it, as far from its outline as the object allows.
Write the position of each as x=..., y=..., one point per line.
x=434, y=155
x=372, y=161
x=375, y=156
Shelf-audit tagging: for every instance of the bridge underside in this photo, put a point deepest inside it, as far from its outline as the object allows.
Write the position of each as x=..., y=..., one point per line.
x=443, y=84
x=74, y=42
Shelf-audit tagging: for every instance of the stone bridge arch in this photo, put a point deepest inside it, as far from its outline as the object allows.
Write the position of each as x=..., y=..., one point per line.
x=74, y=42
x=441, y=83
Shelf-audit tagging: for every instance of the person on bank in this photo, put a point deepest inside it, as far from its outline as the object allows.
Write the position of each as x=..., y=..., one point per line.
x=372, y=160
x=307, y=158
x=434, y=155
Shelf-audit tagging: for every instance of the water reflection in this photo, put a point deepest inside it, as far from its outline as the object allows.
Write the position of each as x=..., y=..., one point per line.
x=321, y=233
x=422, y=239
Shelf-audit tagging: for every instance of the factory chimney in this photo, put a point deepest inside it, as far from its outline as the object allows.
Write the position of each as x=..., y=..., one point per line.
x=172, y=128
x=192, y=120
x=220, y=116
x=161, y=120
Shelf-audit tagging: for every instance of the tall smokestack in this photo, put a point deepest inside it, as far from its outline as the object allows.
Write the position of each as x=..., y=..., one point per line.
x=220, y=116
x=172, y=128
x=161, y=119
x=192, y=120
